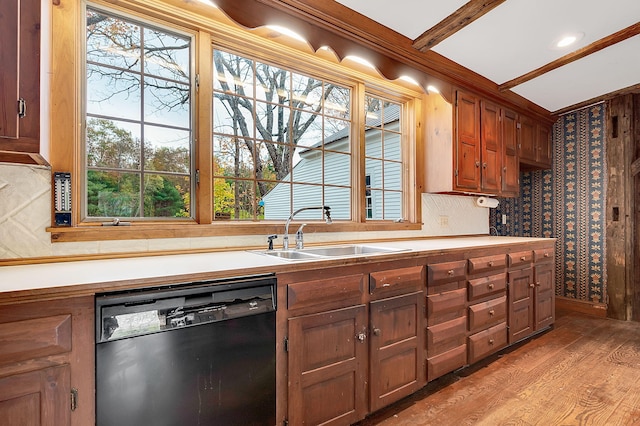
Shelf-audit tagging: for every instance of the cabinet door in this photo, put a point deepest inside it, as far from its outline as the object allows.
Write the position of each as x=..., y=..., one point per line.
x=20, y=75
x=521, y=305
x=328, y=367
x=396, y=358
x=527, y=139
x=467, y=172
x=36, y=398
x=544, y=295
x=510, y=160
x=544, y=145
x=491, y=146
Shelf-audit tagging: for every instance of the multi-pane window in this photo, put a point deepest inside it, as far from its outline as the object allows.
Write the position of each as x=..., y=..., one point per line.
x=138, y=119
x=383, y=159
x=281, y=141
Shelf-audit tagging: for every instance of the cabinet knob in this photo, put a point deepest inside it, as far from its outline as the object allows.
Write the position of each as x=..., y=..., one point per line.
x=484, y=165
x=477, y=164
x=546, y=255
x=450, y=272
x=538, y=283
x=490, y=263
x=492, y=313
x=532, y=285
x=376, y=331
x=491, y=341
x=523, y=258
x=361, y=337
x=490, y=286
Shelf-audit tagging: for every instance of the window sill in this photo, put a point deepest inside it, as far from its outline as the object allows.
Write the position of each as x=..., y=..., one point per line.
x=138, y=231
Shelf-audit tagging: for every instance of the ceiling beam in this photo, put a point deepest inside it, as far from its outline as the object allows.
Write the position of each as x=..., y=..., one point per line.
x=453, y=23
x=605, y=42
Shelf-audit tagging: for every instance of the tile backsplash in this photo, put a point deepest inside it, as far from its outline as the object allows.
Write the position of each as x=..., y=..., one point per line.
x=447, y=215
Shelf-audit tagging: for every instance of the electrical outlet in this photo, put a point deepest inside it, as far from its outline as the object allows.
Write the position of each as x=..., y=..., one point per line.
x=504, y=219
x=444, y=221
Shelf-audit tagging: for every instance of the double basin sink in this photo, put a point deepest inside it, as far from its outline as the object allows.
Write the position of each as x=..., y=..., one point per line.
x=329, y=252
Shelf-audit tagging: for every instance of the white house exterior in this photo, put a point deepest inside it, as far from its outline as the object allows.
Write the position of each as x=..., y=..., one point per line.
x=383, y=171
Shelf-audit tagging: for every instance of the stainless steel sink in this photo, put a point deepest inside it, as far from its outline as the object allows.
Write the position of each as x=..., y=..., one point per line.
x=350, y=250
x=330, y=252
x=290, y=254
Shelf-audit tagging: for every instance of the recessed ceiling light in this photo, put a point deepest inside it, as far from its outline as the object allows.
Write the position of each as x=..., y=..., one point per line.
x=567, y=40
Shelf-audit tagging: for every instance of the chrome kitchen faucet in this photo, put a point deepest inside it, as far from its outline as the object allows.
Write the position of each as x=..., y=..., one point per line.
x=299, y=234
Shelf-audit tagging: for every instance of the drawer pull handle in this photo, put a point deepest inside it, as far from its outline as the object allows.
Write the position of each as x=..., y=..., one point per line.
x=490, y=286
x=450, y=272
x=491, y=341
x=492, y=313
x=386, y=285
x=490, y=263
x=523, y=258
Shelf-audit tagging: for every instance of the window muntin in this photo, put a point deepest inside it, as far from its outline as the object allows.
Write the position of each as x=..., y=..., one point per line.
x=138, y=143
x=383, y=159
x=278, y=136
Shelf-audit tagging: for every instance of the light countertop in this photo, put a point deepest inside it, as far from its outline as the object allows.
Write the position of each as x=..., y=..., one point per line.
x=238, y=262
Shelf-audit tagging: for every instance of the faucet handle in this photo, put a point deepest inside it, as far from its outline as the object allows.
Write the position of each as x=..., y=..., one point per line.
x=270, y=239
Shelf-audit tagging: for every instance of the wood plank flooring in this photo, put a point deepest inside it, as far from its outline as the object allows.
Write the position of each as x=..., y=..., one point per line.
x=584, y=371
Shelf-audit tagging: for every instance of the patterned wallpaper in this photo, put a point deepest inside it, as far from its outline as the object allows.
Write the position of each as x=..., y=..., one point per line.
x=568, y=203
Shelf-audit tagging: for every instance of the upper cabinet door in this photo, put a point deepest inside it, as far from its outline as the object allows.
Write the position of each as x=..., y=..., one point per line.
x=20, y=75
x=467, y=147
x=491, y=145
x=527, y=139
x=510, y=160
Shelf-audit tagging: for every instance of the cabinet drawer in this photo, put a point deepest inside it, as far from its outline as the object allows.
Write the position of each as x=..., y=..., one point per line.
x=446, y=362
x=482, y=315
x=486, y=286
x=446, y=336
x=487, y=342
x=449, y=271
x=397, y=281
x=520, y=258
x=487, y=263
x=326, y=293
x=446, y=306
x=34, y=338
x=543, y=255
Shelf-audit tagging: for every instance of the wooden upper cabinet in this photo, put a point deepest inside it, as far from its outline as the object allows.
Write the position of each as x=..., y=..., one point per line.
x=510, y=159
x=19, y=78
x=491, y=147
x=527, y=146
x=535, y=144
x=467, y=144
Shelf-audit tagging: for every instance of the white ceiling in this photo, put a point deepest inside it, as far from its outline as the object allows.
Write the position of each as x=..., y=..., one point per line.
x=518, y=37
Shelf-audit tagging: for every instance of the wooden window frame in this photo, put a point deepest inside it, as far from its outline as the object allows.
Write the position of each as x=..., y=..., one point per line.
x=210, y=32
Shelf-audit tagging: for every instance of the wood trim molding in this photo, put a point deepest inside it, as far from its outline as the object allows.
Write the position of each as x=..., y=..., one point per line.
x=350, y=33
x=453, y=23
x=596, y=46
x=574, y=305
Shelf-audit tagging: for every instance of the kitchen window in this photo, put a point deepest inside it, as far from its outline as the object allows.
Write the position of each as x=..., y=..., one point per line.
x=138, y=150
x=269, y=133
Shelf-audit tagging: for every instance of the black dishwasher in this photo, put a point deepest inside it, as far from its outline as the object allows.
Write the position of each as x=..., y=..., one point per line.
x=188, y=354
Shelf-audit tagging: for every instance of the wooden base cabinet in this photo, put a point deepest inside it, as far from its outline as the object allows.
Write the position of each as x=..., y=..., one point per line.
x=446, y=317
x=396, y=356
x=327, y=367
x=47, y=363
x=38, y=397
x=544, y=280
x=352, y=351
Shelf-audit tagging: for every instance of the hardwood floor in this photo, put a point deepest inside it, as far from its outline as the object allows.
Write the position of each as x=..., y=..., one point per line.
x=584, y=371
